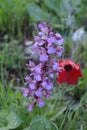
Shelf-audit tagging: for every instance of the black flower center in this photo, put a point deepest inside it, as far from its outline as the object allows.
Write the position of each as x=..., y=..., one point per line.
x=68, y=67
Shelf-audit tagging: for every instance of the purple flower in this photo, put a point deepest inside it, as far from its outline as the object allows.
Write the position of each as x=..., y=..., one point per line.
x=28, y=79
x=25, y=91
x=59, y=50
x=51, y=50
x=37, y=77
x=44, y=27
x=39, y=41
x=43, y=57
x=51, y=75
x=38, y=93
x=59, y=38
x=35, y=49
x=38, y=69
x=48, y=93
x=55, y=65
x=40, y=33
x=30, y=107
x=32, y=85
x=31, y=65
x=41, y=102
x=47, y=84
x=51, y=39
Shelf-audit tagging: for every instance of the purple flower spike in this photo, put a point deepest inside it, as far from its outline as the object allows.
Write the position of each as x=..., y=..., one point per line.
x=47, y=46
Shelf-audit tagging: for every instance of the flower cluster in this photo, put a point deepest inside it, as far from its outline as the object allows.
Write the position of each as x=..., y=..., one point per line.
x=47, y=45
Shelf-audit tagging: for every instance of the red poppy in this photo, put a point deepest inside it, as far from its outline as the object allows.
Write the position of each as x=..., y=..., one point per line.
x=70, y=72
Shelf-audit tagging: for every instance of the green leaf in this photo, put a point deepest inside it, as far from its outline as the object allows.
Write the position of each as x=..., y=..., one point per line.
x=36, y=13
x=60, y=112
x=40, y=123
x=52, y=5
x=54, y=126
x=13, y=120
x=28, y=128
x=4, y=128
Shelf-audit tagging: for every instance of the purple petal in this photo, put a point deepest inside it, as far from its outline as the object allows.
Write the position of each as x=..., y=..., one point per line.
x=59, y=38
x=51, y=75
x=47, y=84
x=41, y=102
x=38, y=69
x=38, y=41
x=37, y=77
x=51, y=50
x=28, y=79
x=40, y=33
x=38, y=93
x=48, y=93
x=43, y=57
x=51, y=39
x=55, y=66
x=44, y=27
x=59, y=51
x=44, y=83
x=32, y=86
x=25, y=92
x=30, y=107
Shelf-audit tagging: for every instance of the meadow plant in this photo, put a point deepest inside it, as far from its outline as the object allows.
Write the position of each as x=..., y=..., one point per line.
x=48, y=46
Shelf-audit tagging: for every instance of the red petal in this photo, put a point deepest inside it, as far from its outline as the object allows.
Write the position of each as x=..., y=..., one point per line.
x=71, y=77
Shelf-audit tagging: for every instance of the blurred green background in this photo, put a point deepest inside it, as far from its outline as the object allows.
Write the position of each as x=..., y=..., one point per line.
x=18, y=25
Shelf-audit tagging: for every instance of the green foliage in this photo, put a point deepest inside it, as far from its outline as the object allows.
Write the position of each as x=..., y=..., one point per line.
x=36, y=13
x=12, y=60
x=13, y=121
x=15, y=16
x=12, y=14
x=10, y=54
x=40, y=124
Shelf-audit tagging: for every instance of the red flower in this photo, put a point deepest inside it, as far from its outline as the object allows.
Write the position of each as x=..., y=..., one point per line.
x=70, y=72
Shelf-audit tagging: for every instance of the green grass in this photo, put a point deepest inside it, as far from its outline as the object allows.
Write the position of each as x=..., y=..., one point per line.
x=62, y=111
x=17, y=18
